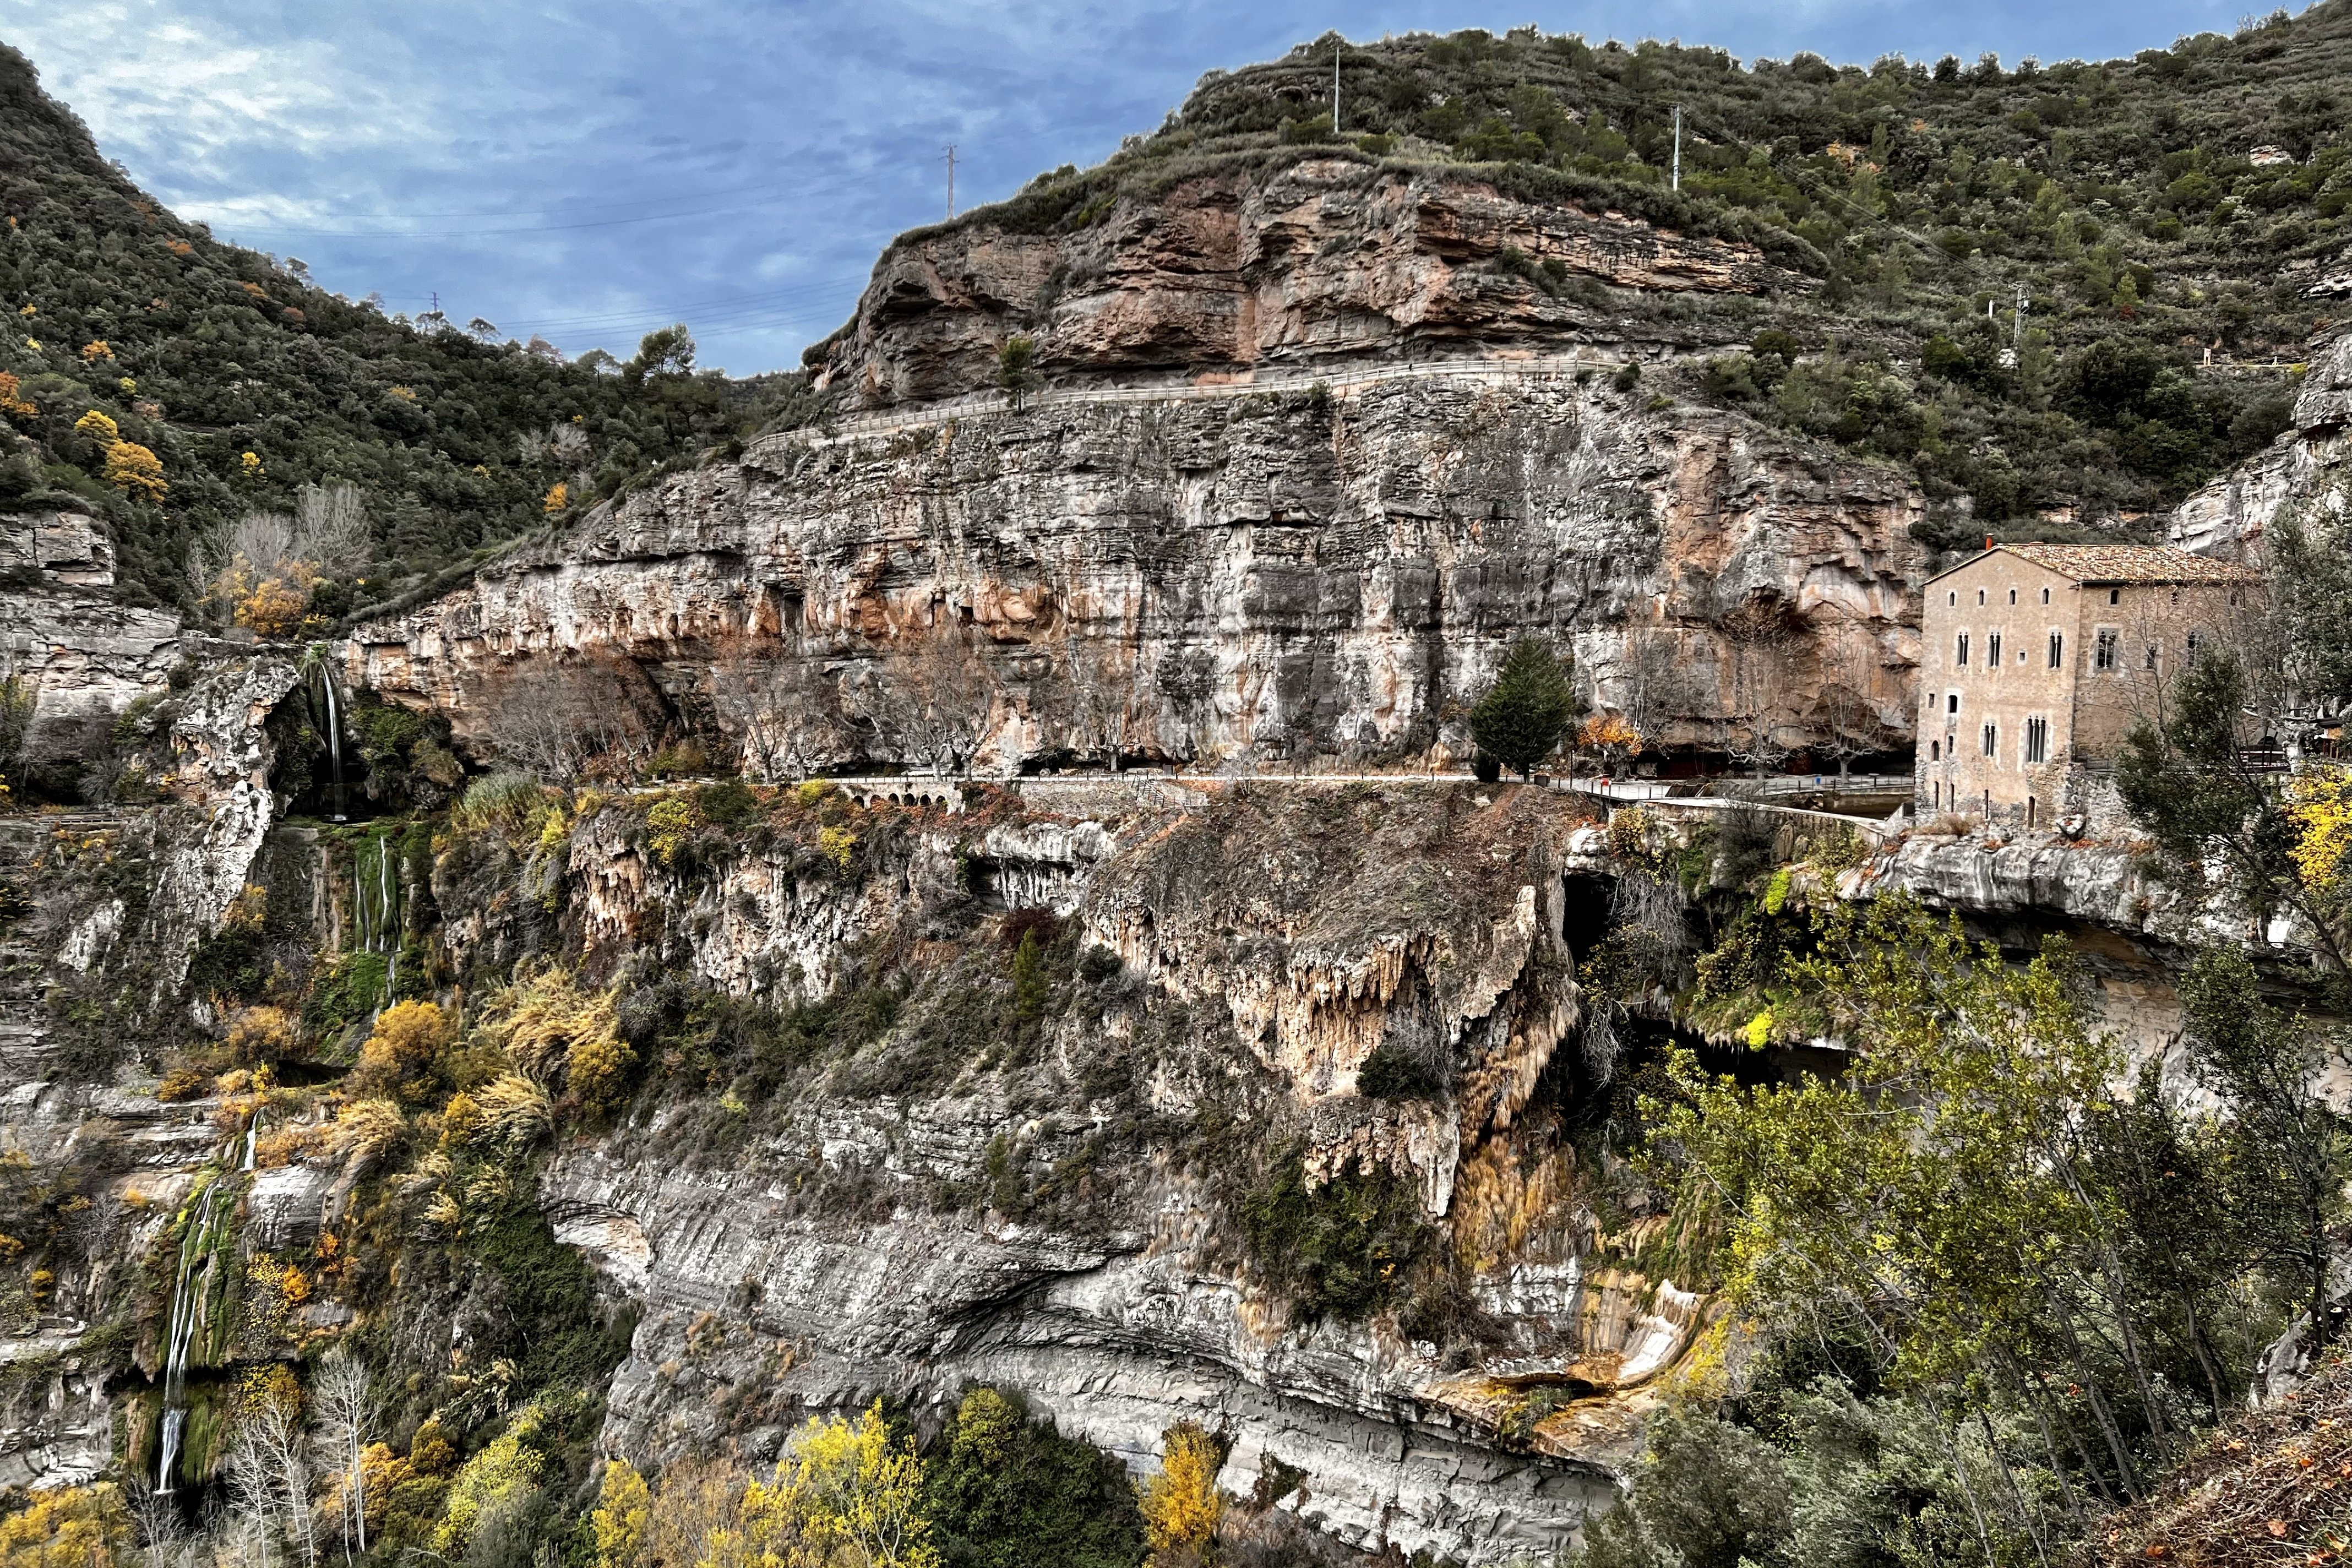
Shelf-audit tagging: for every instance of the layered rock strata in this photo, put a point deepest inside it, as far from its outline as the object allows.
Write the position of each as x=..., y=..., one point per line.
x=1325, y=259
x=1252, y=580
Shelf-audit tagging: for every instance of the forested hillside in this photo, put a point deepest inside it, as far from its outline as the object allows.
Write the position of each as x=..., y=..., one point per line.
x=2168, y=221
x=172, y=385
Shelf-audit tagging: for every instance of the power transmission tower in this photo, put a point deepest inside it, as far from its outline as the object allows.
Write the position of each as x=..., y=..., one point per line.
x=952, y=155
x=1678, y=147
x=2017, y=324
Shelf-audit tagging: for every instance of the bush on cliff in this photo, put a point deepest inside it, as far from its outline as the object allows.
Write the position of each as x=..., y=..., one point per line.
x=1009, y=1490
x=1341, y=1248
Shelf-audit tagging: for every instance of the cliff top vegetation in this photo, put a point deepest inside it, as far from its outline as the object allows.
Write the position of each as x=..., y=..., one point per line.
x=2076, y=289
x=172, y=385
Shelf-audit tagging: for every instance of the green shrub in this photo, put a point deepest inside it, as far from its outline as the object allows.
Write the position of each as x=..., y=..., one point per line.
x=1009, y=1491
x=1341, y=1249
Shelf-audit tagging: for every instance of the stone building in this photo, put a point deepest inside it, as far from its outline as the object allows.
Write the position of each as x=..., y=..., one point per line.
x=2036, y=660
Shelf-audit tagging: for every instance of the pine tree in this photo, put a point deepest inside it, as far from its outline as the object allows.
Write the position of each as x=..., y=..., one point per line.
x=1528, y=709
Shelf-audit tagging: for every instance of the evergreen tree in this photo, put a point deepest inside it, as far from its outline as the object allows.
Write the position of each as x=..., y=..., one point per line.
x=1527, y=710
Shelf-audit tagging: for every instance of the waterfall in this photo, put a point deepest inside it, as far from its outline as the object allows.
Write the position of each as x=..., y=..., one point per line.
x=192, y=1295
x=334, y=737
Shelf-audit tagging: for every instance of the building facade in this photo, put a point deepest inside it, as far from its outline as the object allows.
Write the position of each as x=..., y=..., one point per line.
x=2037, y=659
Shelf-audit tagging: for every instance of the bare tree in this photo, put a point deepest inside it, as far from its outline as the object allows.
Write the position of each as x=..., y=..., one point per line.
x=1652, y=685
x=156, y=1518
x=1849, y=720
x=1102, y=701
x=784, y=710
x=269, y=1472
x=326, y=536
x=331, y=528
x=555, y=720
x=344, y=1404
x=931, y=698
x=1760, y=630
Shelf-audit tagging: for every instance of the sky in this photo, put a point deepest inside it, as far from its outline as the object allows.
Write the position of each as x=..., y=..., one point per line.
x=588, y=170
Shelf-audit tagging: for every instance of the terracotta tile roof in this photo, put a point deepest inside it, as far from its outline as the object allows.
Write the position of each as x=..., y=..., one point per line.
x=2130, y=563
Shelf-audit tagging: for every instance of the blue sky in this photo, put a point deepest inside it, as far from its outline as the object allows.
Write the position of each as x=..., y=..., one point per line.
x=591, y=169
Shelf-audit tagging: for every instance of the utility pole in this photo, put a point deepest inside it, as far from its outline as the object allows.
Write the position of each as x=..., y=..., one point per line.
x=1678, y=147
x=2016, y=322
x=1335, y=89
x=951, y=179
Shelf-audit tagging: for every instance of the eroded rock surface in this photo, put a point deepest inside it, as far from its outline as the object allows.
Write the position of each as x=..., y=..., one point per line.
x=1250, y=579
x=1325, y=259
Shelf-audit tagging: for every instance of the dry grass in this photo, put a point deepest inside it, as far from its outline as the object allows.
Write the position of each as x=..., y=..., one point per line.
x=2274, y=1487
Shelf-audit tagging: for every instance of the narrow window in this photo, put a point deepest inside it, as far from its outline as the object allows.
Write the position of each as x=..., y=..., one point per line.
x=2057, y=650
x=1934, y=751
x=1952, y=702
x=2105, y=657
x=2194, y=639
x=2029, y=813
x=1936, y=792
x=2045, y=595
x=1992, y=740
x=2013, y=596
x=2115, y=595
x=2152, y=655
x=2037, y=740
x=1993, y=651
x=1960, y=652
x=1980, y=595
x=1951, y=598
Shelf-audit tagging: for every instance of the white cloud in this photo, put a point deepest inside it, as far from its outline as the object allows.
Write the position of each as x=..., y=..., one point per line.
x=197, y=104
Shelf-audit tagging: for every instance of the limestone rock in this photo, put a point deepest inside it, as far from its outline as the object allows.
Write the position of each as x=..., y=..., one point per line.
x=1326, y=257
x=1248, y=579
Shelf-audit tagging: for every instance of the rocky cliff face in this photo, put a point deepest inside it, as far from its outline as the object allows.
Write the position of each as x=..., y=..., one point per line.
x=2306, y=467
x=1260, y=579
x=1271, y=940
x=1324, y=260
x=86, y=654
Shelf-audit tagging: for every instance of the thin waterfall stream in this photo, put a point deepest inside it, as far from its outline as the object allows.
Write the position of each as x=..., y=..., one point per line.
x=192, y=1295
x=334, y=738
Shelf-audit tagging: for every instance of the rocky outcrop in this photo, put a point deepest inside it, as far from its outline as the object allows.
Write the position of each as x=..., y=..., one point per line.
x=86, y=654
x=1326, y=257
x=1272, y=936
x=1254, y=580
x=2305, y=469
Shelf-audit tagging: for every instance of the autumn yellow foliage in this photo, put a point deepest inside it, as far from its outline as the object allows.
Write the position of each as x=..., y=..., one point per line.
x=553, y=1027
x=843, y=1493
x=2319, y=799
x=621, y=1503
x=260, y=1034
x=1181, y=1506
x=559, y=496
x=66, y=1527
x=401, y=1056
x=96, y=350
x=12, y=398
x=1612, y=733
x=132, y=467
